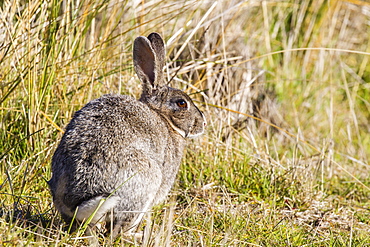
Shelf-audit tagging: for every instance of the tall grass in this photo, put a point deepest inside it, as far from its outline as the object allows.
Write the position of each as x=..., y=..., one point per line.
x=284, y=85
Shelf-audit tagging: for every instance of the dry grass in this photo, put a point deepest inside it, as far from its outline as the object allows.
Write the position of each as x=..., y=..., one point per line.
x=284, y=84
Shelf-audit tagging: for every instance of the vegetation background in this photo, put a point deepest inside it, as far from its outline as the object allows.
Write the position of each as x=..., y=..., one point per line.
x=285, y=85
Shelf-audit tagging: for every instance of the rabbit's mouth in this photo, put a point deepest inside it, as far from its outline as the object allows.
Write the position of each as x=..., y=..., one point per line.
x=192, y=136
x=195, y=131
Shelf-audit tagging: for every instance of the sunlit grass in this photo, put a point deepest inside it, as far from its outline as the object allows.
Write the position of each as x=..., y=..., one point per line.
x=302, y=66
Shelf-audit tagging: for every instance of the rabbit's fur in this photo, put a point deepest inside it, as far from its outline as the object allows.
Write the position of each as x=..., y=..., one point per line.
x=121, y=153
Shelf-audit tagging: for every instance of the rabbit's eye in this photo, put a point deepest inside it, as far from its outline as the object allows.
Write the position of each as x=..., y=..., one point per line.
x=181, y=103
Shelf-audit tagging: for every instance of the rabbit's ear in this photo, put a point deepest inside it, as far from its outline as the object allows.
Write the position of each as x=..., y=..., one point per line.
x=144, y=60
x=149, y=58
x=160, y=52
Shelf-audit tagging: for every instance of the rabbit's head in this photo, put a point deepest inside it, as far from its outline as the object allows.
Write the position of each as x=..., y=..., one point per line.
x=172, y=104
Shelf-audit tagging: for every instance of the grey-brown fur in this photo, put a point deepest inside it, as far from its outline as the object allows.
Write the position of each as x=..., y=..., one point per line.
x=124, y=150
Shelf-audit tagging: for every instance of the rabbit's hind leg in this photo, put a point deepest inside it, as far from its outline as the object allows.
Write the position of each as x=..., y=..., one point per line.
x=137, y=192
x=128, y=221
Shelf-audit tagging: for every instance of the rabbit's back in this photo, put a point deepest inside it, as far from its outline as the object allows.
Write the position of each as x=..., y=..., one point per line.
x=111, y=125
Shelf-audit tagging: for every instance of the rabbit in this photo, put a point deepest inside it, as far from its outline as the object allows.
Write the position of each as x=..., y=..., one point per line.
x=119, y=156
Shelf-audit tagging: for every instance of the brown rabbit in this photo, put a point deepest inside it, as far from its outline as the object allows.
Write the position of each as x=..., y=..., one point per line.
x=123, y=154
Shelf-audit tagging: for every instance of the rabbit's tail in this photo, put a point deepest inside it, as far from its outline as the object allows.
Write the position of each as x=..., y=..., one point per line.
x=96, y=208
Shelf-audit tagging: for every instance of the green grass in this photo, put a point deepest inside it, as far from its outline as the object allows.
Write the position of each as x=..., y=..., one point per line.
x=300, y=65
